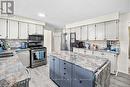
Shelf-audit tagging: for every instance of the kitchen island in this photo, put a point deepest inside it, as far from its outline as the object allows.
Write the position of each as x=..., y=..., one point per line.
x=68, y=69
x=12, y=72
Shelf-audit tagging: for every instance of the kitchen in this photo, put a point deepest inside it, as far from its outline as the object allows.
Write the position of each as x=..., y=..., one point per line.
x=52, y=50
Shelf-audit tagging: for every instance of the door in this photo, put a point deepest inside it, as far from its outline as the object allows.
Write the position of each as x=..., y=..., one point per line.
x=12, y=29
x=32, y=29
x=84, y=33
x=112, y=30
x=100, y=31
x=91, y=32
x=3, y=29
x=23, y=30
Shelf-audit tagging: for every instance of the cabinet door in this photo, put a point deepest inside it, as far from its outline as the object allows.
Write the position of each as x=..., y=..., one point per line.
x=65, y=72
x=32, y=29
x=39, y=29
x=24, y=57
x=84, y=33
x=3, y=29
x=23, y=30
x=112, y=30
x=57, y=71
x=82, y=77
x=100, y=31
x=68, y=31
x=12, y=29
x=52, y=63
x=91, y=32
x=113, y=58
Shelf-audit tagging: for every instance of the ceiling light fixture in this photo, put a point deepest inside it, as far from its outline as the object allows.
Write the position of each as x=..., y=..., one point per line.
x=41, y=15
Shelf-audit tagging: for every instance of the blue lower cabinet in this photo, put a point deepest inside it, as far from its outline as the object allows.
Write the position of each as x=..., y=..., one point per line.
x=55, y=70
x=52, y=62
x=65, y=71
x=66, y=74
x=84, y=77
x=57, y=77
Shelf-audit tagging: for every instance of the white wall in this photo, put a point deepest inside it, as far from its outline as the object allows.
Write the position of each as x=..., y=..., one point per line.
x=48, y=40
x=124, y=42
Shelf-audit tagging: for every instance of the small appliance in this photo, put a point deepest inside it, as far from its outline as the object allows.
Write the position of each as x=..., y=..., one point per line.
x=24, y=45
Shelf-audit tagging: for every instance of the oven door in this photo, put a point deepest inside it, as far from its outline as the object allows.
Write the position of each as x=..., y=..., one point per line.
x=38, y=57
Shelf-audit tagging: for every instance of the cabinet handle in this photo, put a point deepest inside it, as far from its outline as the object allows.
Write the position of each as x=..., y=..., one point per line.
x=53, y=59
x=64, y=68
x=80, y=81
x=64, y=73
x=64, y=63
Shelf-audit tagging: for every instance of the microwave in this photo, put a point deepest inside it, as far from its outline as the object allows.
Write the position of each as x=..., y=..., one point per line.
x=35, y=37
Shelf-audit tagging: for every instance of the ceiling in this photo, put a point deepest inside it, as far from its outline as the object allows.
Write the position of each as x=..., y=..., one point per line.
x=61, y=12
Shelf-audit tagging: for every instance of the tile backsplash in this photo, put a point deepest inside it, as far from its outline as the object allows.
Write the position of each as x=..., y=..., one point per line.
x=14, y=43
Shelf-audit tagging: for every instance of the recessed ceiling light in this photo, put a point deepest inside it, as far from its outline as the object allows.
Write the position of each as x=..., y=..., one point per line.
x=41, y=15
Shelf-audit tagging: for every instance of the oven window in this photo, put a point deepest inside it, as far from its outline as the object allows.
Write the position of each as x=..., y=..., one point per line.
x=39, y=55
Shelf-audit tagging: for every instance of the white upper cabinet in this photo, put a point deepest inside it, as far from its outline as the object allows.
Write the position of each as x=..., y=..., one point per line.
x=39, y=29
x=91, y=32
x=12, y=29
x=3, y=29
x=84, y=33
x=68, y=31
x=64, y=30
x=32, y=29
x=112, y=30
x=100, y=31
x=23, y=30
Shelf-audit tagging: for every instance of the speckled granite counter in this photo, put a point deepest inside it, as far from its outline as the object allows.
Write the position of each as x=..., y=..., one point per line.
x=91, y=63
x=11, y=71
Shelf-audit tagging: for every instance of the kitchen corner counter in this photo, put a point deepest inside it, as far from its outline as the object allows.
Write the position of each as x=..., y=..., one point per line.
x=11, y=70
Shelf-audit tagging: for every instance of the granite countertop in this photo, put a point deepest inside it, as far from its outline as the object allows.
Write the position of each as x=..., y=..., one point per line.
x=91, y=63
x=11, y=70
x=117, y=53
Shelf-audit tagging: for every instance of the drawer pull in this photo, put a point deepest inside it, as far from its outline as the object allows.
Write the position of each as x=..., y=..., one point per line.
x=64, y=68
x=80, y=81
x=64, y=63
x=53, y=59
x=64, y=73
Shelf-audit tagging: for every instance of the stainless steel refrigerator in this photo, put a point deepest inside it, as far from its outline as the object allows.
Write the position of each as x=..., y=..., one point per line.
x=67, y=41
